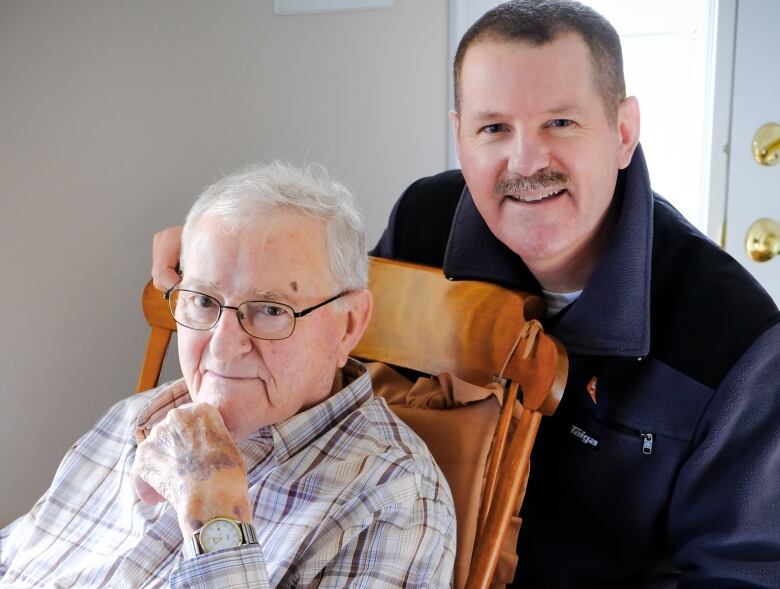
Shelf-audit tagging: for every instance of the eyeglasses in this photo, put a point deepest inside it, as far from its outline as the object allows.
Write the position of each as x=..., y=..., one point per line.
x=267, y=320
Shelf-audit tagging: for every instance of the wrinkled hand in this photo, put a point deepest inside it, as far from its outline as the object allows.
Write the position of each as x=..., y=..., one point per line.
x=190, y=460
x=166, y=246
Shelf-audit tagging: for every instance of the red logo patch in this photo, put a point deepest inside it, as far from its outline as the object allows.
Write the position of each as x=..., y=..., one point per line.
x=591, y=388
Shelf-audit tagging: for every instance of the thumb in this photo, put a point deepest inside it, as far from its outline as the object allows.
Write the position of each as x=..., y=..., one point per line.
x=145, y=491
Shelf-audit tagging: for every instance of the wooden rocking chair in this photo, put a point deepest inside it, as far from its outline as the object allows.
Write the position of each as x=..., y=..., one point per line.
x=474, y=331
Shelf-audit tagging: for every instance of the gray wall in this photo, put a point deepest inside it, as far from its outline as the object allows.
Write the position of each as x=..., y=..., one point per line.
x=114, y=115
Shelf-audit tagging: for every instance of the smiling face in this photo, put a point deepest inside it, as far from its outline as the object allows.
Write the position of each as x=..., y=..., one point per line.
x=281, y=257
x=539, y=154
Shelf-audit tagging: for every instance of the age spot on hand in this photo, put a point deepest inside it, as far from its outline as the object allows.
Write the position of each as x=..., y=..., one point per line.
x=202, y=470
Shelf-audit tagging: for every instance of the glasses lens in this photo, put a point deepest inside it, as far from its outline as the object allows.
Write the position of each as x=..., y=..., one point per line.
x=194, y=309
x=267, y=320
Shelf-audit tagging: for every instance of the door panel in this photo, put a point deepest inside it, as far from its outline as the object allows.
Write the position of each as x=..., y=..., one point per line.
x=754, y=189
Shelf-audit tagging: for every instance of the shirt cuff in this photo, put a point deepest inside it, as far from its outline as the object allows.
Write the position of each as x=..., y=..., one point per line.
x=233, y=568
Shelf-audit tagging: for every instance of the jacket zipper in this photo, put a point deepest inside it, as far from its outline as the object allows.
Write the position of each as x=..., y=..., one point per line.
x=647, y=437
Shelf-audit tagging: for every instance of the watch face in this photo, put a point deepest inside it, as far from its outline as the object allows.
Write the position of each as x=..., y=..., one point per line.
x=219, y=533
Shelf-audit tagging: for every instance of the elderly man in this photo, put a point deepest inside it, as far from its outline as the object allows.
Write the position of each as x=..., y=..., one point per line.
x=661, y=466
x=270, y=464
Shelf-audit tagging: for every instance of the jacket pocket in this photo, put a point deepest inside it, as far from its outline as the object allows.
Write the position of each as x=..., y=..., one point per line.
x=646, y=437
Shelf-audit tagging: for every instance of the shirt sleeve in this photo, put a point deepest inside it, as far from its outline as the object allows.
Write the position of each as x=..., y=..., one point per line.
x=6, y=546
x=23, y=530
x=724, y=516
x=234, y=568
x=404, y=545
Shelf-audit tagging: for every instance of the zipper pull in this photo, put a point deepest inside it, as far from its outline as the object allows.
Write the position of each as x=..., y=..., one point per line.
x=647, y=444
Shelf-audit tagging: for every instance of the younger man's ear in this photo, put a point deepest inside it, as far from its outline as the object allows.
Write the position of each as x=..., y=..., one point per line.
x=455, y=122
x=628, y=127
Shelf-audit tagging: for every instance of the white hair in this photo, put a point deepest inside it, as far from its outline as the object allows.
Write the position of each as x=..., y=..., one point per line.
x=238, y=199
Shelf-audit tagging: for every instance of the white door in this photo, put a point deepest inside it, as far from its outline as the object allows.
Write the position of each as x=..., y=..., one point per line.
x=754, y=189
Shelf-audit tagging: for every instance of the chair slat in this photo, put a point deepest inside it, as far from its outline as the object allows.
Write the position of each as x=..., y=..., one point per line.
x=153, y=359
x=426, y=323
x=514, y=469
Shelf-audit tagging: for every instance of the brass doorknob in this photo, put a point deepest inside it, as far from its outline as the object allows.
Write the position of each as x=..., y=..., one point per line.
x=766, y=144
x=763, y=240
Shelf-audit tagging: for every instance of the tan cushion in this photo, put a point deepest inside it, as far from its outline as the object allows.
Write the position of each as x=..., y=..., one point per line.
x=459, y=440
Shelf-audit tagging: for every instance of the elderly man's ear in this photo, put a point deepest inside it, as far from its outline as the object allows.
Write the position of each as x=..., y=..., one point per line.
x=357, y=317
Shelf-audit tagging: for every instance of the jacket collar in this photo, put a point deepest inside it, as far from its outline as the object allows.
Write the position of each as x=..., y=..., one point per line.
x=612, y=315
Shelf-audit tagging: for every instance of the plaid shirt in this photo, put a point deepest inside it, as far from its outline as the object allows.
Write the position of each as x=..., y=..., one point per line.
x=343, y=494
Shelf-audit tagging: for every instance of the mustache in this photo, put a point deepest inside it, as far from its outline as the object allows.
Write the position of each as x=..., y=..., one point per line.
x=541, y=179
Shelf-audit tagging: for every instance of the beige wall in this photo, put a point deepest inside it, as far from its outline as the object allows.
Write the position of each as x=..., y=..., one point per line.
x=113, y=115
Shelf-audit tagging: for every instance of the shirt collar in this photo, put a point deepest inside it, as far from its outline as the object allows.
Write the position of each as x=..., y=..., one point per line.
x=168, y=397
x=612, y=315
x=301, y=430
x=289, y=436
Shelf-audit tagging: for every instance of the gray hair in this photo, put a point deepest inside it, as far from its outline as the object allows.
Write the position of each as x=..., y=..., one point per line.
x=238, y=199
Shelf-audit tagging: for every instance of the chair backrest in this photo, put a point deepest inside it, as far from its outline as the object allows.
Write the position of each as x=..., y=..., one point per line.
x=474, y=331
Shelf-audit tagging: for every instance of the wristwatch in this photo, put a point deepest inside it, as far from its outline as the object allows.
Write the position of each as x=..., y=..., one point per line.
x=219, y=533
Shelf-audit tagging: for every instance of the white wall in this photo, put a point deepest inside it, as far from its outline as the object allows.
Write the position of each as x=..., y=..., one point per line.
x=114, y=115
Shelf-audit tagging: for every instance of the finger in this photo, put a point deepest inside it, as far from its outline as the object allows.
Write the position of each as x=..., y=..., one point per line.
x=209, y=413
x=187, y=430
x=166, y=246
x=196, y=426
x=215, y=428
x=175, y=434
x=146, y=492
x=164, y=278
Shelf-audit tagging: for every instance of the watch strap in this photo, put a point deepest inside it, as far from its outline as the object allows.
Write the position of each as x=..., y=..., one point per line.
x=248, y=533
x=192, y=548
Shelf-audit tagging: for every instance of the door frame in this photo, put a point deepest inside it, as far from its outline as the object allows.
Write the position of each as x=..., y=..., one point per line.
x=718, y=136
